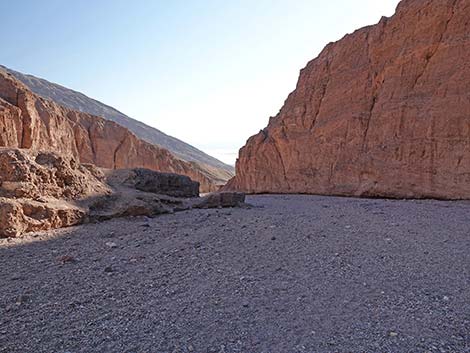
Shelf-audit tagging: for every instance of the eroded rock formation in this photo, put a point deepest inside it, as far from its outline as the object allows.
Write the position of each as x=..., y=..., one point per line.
x=217, y=171
x=29, y=121
x=385, y=112
x=43, y=190
x=37, y=191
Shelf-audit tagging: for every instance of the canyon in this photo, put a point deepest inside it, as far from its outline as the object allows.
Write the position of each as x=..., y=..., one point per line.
x=383, y=112
x=355, y=235
x=214, y=169
x=29, y=121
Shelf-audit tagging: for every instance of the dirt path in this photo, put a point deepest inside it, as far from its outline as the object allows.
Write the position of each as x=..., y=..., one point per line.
x=295, y=274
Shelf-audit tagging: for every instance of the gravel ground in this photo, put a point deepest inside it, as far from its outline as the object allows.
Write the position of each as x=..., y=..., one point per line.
x=292, y=274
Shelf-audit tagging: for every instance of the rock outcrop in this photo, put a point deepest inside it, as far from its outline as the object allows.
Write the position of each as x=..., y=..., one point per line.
x=383, y=112
x=37, y=191
x=221, y=200
x=214, y=169
x=141, y=192
x=40, y=191
x=159, y=183
x=29, y=121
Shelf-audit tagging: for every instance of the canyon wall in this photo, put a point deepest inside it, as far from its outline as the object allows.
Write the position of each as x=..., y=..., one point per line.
x=384, y=112
x=31, y=122
x=214, y=169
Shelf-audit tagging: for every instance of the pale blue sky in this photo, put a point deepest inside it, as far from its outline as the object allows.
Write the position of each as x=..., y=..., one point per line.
x=208, y=72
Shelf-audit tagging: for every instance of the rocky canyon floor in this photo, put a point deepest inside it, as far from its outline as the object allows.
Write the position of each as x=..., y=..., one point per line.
x=291, y=274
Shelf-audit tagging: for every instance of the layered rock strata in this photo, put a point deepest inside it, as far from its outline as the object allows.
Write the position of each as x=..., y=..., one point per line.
x=217, y=171
x=31, y=122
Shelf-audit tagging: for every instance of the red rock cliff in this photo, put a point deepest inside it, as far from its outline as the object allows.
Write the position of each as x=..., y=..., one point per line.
x=385, y=112
x=28, y=121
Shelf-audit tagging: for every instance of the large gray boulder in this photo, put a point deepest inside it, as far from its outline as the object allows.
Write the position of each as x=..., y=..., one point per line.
x=146, y=180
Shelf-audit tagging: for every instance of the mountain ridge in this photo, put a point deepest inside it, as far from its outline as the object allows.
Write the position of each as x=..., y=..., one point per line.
x=76, y=100
x=29, y=121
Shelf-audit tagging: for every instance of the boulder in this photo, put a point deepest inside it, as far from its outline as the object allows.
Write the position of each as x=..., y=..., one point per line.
x=21, y=216
x=37, y=175
x=43, y=190
x=37, y=191
x=220, y=200
x=157, y=183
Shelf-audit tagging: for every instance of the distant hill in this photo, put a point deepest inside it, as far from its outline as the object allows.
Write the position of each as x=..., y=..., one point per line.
x=208, y=165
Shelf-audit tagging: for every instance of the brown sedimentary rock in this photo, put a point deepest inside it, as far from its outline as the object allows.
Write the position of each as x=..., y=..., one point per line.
x=10, y=123
x=21, y=216
x=38, y=190
x=385, y=111
x=27, y=174
x=215, y=170
x=44, y=190
x=29, y=121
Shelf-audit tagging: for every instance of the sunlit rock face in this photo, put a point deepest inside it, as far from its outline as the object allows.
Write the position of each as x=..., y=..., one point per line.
x=218, y=172
x=31, y=122
x=383, y=112
x=40, y=191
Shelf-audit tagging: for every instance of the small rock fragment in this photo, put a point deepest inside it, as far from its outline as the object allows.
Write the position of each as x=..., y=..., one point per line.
x=22, y=299
x=66, y=259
